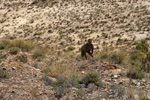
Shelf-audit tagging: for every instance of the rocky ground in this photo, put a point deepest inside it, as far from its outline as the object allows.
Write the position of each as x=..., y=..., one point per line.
x=27, y=81
x=64, y=25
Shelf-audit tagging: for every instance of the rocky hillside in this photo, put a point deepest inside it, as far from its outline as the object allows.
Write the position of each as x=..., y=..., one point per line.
x=72, y=22
x=40, y=42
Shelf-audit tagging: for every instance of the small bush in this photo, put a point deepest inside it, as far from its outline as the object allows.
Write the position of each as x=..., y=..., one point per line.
x=91, y=77
x=47, y=70
x=142, y=46
x=118, y=57
x=148, y=56
x=4, y=44
x=136, y=55
x=57, y=69
x=135, y=72
x=74, y=80
x=22, y=58
x=61, y=79
x=38, y=54
x=79, y=92
x=14, y=50
x=48, y=80
x=60, y=92
x=71, y=48
x=3, y=74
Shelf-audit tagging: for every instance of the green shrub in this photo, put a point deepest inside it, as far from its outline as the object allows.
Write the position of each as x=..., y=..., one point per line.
x=61, y=79
x=135, y=72
x=3, y=74
x=60, y=91
x=47, y=70
x=48, y=80
x=74, y=80
x=142, y=46
x=79, y=92
x=22, y=58
x=14, y=50
x=91, y=77
x=137, y=55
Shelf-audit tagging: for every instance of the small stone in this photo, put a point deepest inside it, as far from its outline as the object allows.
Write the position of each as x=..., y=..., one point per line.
x=12, y=91
x=81, y=85
x=138, y=83
x=13, y=68
x=4, y=68
x=134, y=82
x=136, y=97
x=115, y=76
x=121, y=82
x=143, y=80
x=91, y=87
x=82, y=72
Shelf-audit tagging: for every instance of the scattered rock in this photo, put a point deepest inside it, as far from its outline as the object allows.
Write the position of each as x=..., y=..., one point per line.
x=13, y=68
x=82, y=72
x=91, y=87
x=81, y=85
x=4, y=68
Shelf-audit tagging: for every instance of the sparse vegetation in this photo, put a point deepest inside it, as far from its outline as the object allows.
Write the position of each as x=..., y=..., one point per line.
x=74, y=80
x=142, y=46
x=3, y=73
x=79, y=92
x=14, y=50
x=70, y=48
x=4, y=44
x=23, y=58
x=38, y=54
x=91, y=77
x=48, y=80
x=23, y=44
x=47, y=70
x=57, y=68
x=135, y=72
x=118, y=57
x=116, y=27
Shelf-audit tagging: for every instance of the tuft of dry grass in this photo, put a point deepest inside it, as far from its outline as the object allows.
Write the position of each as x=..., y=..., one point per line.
x=23, y=44
x=14, y=50
x=57, y=68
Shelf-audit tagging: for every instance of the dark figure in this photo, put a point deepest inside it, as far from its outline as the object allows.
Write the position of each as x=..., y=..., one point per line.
x=87, y=48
